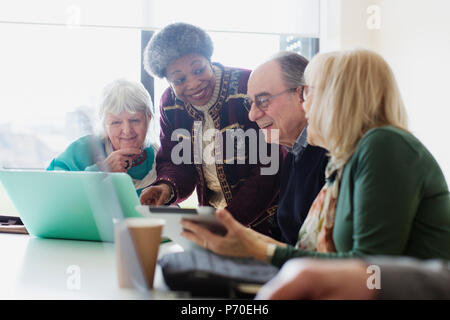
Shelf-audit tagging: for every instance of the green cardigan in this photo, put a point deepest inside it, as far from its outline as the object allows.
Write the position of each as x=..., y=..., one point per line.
x=393, y=200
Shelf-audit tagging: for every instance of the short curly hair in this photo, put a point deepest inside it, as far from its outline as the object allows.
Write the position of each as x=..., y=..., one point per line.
x=172, y=42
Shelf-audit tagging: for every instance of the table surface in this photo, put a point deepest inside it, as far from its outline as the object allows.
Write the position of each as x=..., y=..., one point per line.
x=35, y=268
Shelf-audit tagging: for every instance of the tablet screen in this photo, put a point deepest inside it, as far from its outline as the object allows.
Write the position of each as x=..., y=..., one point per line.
x=156, y=210
x=172, y=215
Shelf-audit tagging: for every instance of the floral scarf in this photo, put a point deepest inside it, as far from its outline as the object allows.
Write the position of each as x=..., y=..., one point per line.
x=316, y=233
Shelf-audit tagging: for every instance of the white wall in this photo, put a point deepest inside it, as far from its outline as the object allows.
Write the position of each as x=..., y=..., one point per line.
x=414, y=38
x=260, y=16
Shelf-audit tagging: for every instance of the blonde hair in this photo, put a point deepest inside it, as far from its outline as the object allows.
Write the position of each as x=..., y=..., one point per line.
x=353, y=92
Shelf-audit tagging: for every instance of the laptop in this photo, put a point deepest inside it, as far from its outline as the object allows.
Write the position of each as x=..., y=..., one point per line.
x=71, y=204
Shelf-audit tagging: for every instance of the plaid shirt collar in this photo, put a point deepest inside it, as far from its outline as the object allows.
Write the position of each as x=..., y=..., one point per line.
x=300, y=144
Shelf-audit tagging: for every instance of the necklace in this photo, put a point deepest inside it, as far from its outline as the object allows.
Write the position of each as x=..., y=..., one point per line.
x=142, y=157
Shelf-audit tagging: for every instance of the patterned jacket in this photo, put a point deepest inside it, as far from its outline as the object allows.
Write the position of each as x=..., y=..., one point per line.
x=250, y=196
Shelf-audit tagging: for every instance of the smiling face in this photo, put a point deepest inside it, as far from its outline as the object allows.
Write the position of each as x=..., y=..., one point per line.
x=192, y=79
x=284, y=113
x=127, y=130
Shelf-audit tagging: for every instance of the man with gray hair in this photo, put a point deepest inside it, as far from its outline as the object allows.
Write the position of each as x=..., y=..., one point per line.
x=275, y=97
x=275, y=102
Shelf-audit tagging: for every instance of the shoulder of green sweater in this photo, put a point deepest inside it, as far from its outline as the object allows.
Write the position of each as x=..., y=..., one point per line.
x=386, y=135
x=388, y=140
x=390, y=148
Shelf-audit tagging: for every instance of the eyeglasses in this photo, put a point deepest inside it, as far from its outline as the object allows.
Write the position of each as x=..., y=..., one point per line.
x=305, y=92
x=262, y=102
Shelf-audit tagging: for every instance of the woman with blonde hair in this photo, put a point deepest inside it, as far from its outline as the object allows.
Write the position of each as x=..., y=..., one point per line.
x=385, y=194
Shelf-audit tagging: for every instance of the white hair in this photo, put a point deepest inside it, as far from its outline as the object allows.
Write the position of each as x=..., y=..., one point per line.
x=124, y=95
x=129, y=96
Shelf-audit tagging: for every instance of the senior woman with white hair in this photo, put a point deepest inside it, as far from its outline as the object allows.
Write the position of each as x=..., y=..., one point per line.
x=125, y=111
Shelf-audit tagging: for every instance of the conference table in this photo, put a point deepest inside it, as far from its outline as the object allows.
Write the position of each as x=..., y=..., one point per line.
x=36, y=268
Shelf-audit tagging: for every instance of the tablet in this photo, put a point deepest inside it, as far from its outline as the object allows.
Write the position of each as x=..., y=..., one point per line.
x=204, y=216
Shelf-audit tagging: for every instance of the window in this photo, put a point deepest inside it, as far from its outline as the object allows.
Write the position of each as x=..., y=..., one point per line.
x=51, y=79
x=248, y=50
x=56, y=57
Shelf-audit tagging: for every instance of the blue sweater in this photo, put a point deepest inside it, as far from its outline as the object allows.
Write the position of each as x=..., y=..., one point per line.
x=302, y=178
x=81, y=155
